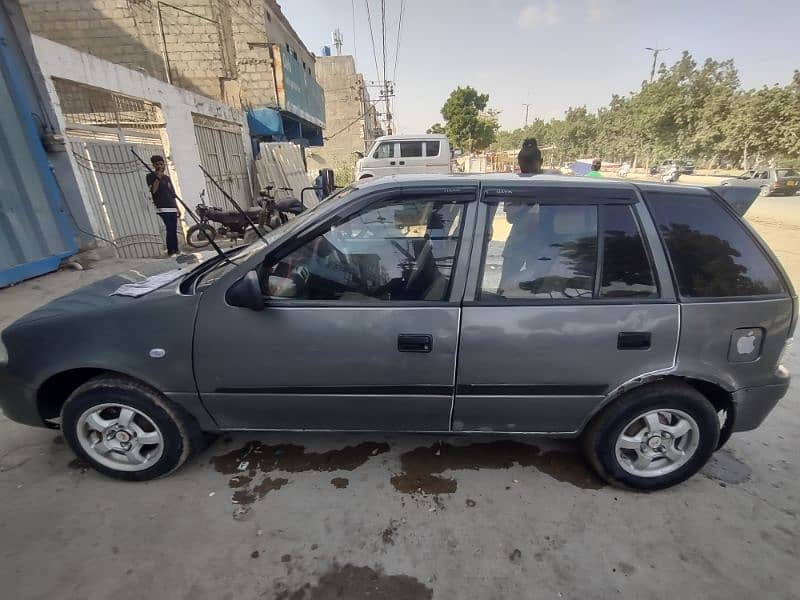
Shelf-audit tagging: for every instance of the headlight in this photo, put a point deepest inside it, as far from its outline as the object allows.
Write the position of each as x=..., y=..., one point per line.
x=3, y=352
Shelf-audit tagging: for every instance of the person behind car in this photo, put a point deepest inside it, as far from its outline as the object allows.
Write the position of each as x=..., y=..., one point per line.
x=523, y=219
x=163, y=194
x=595, y=172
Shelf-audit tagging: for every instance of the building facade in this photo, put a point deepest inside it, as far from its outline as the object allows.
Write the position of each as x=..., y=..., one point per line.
x=242, y=52
x=350, y=116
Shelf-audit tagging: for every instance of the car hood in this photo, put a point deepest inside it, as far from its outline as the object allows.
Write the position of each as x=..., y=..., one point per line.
x=99, y=296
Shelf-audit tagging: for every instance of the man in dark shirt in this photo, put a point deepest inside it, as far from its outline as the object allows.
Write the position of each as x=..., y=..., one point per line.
x=164, y=199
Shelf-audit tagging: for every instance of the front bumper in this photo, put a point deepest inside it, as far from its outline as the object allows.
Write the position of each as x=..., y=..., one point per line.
x=17, y=400
x=754, y=404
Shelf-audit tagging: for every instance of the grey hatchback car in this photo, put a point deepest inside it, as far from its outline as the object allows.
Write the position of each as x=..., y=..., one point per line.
x=647, y=320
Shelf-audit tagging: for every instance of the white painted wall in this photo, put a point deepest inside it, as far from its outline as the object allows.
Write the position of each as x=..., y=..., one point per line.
x=177, y=106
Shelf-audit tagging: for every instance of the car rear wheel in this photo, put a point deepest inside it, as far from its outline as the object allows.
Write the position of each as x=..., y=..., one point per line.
x=653, y=437
x=764, y=191
x=127, y=430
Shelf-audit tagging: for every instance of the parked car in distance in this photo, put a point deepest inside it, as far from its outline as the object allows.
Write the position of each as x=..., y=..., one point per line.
x=405, y=154
x=780, y=181
x=648, y=320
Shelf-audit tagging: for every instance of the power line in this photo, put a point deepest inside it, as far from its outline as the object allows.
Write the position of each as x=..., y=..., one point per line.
x=372, y=37
x=355, y=47
x=399, y=31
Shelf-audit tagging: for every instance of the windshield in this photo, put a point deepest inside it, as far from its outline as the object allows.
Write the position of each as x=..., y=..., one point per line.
x=245, y=253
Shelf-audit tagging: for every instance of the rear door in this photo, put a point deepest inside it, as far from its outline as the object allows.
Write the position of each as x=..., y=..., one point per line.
x=566, y=302
x=411, y=157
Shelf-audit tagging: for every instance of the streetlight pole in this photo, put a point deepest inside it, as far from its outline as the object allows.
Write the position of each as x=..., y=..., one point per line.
x=656, y=52
x=527, y=108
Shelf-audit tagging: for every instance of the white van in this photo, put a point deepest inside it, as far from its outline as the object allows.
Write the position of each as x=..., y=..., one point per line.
x=397, y=154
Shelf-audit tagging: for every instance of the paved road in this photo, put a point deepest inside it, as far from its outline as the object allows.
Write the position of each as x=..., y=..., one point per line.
x=402, y=516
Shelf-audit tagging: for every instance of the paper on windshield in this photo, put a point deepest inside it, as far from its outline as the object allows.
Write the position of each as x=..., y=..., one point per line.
x=148, y=285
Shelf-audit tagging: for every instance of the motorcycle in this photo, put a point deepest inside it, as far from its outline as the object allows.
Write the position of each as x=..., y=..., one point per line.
x=269, y=214
x=672, y=175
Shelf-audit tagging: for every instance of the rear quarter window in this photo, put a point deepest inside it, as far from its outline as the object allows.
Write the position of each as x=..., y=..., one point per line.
x=712, y=254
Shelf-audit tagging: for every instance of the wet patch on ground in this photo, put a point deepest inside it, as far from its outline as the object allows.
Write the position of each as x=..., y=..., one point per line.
x=78, y=464
x=423, y=466
x=353, y=582
x=340, y=482
x=726, y=468
x=255, y=459
x=388, y=534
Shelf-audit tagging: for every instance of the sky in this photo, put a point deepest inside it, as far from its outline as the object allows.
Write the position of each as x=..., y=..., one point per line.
x=550, y=54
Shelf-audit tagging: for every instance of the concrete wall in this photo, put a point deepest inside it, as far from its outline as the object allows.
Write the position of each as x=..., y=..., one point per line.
x=280, y=31
x=177, y=106
x=346, y=102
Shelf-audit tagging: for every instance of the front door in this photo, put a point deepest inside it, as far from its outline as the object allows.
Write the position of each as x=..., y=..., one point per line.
x=565, y=307
x=360, y=328
x=384, y=159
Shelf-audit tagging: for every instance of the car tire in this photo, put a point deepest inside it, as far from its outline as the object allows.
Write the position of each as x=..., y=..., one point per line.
x=662, y=410
x=127, y=430
x=763, y=191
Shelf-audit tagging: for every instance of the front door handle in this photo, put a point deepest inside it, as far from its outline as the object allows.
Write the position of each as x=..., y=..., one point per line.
x=414, y=342
x=633, y=340
x=391, y=162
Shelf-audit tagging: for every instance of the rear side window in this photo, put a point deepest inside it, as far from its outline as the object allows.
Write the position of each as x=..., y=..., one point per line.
x=431, y=148
x=712, y=254
x=410, y=149
x=627, y=272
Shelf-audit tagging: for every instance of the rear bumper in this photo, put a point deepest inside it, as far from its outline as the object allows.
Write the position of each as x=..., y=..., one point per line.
x=17, y=400
x=754, y=404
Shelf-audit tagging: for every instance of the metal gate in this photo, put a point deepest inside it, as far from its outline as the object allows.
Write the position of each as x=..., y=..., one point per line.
x=222, y=155
x=118, y=195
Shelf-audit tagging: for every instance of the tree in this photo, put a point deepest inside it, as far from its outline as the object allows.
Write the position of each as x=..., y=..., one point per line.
x=436, y=128
x=468, y=124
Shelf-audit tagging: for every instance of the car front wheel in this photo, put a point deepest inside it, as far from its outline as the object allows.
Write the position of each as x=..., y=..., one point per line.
x=653, y=437
x=127, y=430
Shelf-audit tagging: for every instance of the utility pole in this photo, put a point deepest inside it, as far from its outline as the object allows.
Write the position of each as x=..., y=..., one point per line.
x=656, y=52
x=527, y=108
x=338, y=41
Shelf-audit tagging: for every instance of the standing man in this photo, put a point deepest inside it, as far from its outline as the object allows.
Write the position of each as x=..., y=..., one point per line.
x=595, y=172
x=164, y=199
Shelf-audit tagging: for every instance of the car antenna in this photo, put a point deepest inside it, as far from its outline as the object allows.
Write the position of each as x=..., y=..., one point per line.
x=190, y=213
x=234, y=203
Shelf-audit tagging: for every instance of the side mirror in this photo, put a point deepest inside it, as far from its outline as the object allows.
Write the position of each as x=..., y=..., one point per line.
x=246, y=293
x=359, y=155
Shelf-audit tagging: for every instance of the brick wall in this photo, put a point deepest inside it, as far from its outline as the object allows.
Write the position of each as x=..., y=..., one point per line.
x=222, y=40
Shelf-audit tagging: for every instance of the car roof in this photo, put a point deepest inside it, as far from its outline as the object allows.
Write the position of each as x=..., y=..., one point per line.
x=411, y=136
x=518, y=180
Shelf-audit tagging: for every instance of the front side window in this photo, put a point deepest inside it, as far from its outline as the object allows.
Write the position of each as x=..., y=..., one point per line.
x=711, y=253
x=540, y=252
x=431, y=148
x=385, y=150
x=400, y=250
x=410, y=149
x=626, y=272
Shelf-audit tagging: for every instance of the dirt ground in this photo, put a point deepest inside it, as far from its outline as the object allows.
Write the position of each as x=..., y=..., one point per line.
x=399, y=517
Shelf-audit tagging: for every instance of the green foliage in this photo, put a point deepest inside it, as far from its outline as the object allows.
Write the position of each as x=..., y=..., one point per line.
x=468, y=124
x=688, y=111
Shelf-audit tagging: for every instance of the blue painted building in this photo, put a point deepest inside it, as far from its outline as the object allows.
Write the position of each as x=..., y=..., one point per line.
x=36, y=230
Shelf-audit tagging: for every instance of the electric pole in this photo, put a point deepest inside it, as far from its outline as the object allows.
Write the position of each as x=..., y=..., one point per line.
x=527, y=108
x=656, y=52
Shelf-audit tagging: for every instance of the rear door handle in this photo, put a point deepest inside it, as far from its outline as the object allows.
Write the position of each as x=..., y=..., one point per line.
x=402, y=162
x=633, y=340
x=414, y=342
